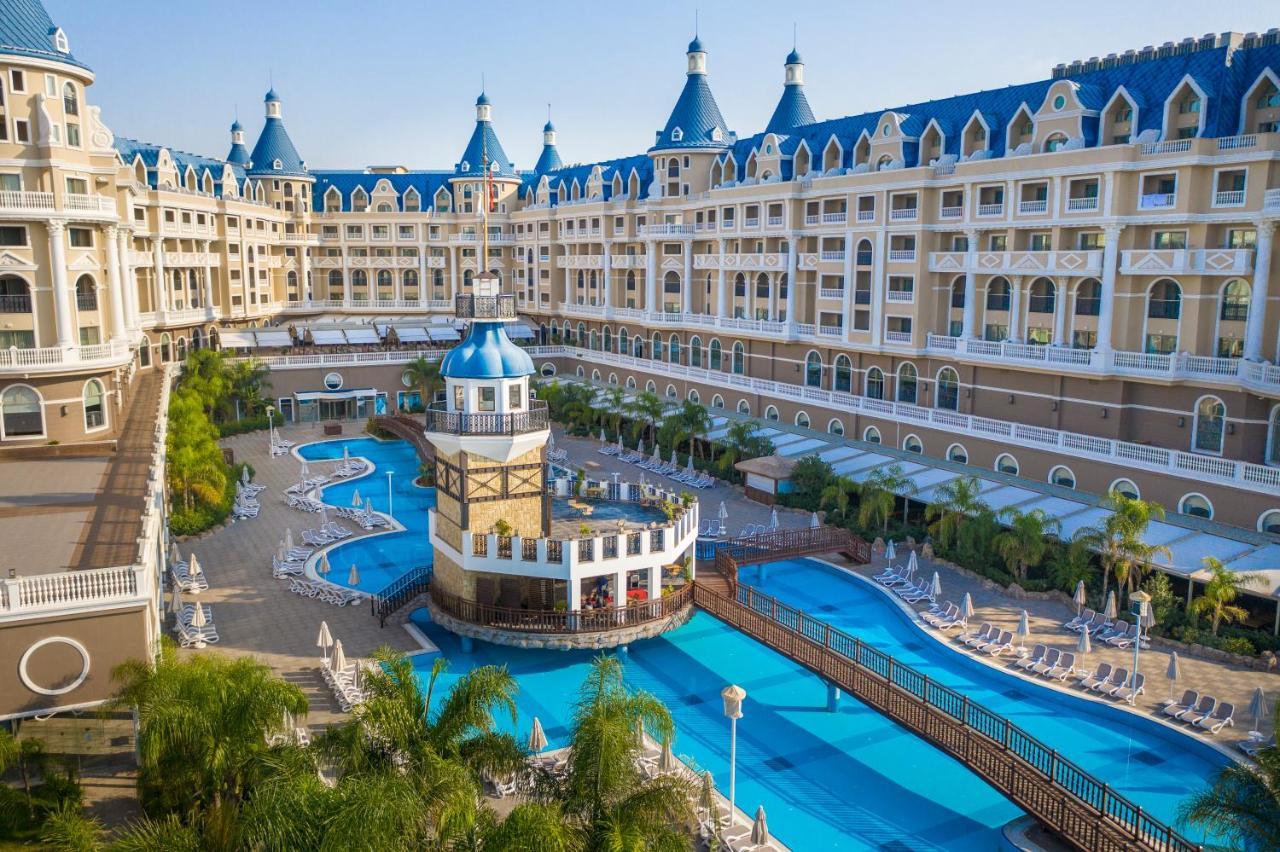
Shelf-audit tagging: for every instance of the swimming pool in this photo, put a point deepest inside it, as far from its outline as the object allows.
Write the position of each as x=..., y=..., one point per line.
x=848, y=779
x=379, y=559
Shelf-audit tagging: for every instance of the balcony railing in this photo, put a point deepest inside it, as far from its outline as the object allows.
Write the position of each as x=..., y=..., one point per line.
x=902, y=255
x=866, y=215
x=562, y=621
x=17, y=304
x=904, y=214
x=996, y=209
x=951, y=212
x=1229, y=198
x=1038, y=205
x=1082, y=205
x=513, y=423
x=1157, y=201
x=838, y=218
x=485, y=307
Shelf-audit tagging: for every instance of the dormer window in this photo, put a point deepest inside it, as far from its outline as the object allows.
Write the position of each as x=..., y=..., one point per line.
x=277, y=165
x=717, y=135
x=60, y=42
x=677, y=134
x=1189, y=105
x=465, y=166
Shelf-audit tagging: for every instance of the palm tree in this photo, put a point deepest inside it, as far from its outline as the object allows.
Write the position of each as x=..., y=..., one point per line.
x=614, y=400
x=879, y=494
x=953, y=502
x=1024, y=542
x=604, y=793
x=248, y=382
x=424, y=375
x=1119, y=541
x=577, y=406
x=1070, y=563
x=645, y=410
x=1242, y=804
x=837, y=494
x=1223, y=588
x=28, y=755
x=694, y=421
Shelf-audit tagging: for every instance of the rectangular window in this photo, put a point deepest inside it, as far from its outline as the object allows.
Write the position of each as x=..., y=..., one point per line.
x=90, y=335
x=1082, y=339
x=488, y=399
x=381, y=232
x=77, y=186
x=1242, y=238
x=11, y=183
x=408, y=232
x=515, y=398
x=1092, y=241
x=51, y=85
x=1169, y=240
x=21, y=131
x=73, y=135
x=998, y=242
x=80, y=237
x=1041, y=242
x=355, y=232
x=1161, y=344
x=457, y=398
x=13, y=235
x=17, y=80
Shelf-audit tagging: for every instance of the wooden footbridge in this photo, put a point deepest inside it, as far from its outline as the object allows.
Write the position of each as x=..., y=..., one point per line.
x=410, y=429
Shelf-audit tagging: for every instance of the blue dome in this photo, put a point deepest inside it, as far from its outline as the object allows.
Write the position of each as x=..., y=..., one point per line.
x=235, y=126
x=483, y=100
x=271, y=97
x=486, y=354
x=695, y=46
x=793, y=58
x=548, y=127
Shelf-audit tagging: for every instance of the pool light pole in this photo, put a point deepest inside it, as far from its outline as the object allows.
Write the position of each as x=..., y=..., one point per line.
x=271, y=411
x=733, y=696
x=1139, y=602
x=389, y=504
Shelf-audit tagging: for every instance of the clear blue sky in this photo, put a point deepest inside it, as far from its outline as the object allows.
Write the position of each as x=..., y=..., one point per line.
x=382, y=82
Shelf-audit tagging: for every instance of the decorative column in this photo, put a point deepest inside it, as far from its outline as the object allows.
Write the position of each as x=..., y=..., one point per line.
x=1060, y=310
x=424, y=280
x=208, y=278
x=651, y=277
x=304, y=286
x=453, y=270
x=346, y=278
x=1107, y=308
x=686, y=286
x=1256, y=320
x=792, y=305
x=606, y=276
x=1015, y=309
x=63, y=307
x=124, y=247
x=162, y=283
x=115, y=284
x=722, y=284
x=846, y=308
x=969, y=326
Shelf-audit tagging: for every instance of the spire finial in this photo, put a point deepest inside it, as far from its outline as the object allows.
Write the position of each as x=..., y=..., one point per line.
x=695, y=21
x=548, y=111
x=793, y=35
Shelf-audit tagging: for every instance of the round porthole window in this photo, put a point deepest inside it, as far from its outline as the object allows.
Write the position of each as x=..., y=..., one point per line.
x=1059, y=102
x=886, y=131
x=406, y=379
x=333, y=381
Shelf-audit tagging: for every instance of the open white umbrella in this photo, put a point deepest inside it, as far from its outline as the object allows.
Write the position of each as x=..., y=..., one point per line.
x=537, y=737
x=324, y=516
x=304, y=472
x=814, y=523
x=323, y=567
x=667, y=760
x=966, y=606
x=1173, y=672
x=368, y=507
x=1024, y=630
x=551, y=441
x=1110, y=610
x=355, y=499
x=1080, y=596
x=688, y=469
x=1085, y=645
x=620, y=447
x=657, y=459
x=773, y=521
x=288, y=538
x=1257, y=706
x=913, y=562
x=890, y=552
x=339, y=661
x=324, y=641
x=760, y=828
x=280, y=553
x=353, y=576
x=935, y=589
x=239, y=491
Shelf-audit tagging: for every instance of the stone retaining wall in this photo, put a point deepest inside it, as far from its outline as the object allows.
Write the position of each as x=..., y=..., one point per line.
x=560, y=641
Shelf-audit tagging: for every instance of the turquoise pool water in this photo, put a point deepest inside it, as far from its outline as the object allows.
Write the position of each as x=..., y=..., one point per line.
x=848, y=779
x=378, y=559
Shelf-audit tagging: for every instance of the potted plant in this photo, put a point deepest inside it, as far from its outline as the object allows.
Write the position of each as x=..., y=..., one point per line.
x=502, y=528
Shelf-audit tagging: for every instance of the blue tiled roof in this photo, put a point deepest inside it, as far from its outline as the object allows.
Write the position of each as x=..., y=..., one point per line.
x=427, y=184
x=274, y=144
x=486, y=353
x=484, y=142
x=548, y=160
x=129, y=149
x=238, y=155
x=792, y=110
x=27, y=30
x=641, y=164
x=696, y=115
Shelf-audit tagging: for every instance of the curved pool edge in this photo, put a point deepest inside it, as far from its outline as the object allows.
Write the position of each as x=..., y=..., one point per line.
x=1094, y=706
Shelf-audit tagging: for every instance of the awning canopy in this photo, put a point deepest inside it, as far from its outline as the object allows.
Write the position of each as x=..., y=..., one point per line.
x=231, y=339
x=443, y=334
x=411, y=334
x=274, y=337
x=362, y=335
x=344, y=393
x=328, y=337
x=800, y=448
x=519, y=331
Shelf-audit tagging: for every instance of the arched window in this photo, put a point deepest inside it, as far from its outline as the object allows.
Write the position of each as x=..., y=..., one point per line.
x=631, y=382
x=673, y=349
x=744, y=407
x=802, y=419
x=717, y=401
x=1269, y=522
x=713, y=355
x=1196, y=505
x=1235, y=301
x=608, y=339
x=843, y=375
x=1062, y=476
x=409, y=279
x=875, y=383
x=1042, y=298
x=1164, y=300
x=835, y=427
x=580, y=371
x=651, y=386
x=1210, y=418
x=907, y=378
x=86, y=294
x=624, y=346
x=359, y=280
x=913, y=444
x=695, y=351
x=998, y=295
x=958, y=454
x=771, y=413
x=655, y=347
x=948, y=392
x=813, y=370
x=15, y=295
x=864, y=255
x=739, y=358
x=671, y=392
x=1089, y=298
x=1272, y=455
x=613, y=378
x=694, y=396
x=1127, y=487
x=166, y=348
x=21, y=412
x=594, y=341
x=581, y=336
x=1055, y=141
x=70, y=101
x=1006, y=463
x=637, y=347
x=871, y=435
x=957, y=292
x=595, y=374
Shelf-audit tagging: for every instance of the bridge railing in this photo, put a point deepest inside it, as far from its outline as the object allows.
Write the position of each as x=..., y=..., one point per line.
x=399, y=592
x=1081, y=808
x=786, y=544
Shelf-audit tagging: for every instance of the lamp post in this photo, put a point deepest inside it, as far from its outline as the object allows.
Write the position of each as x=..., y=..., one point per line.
x=1139, y=603
x=271, y=437
x=733, y=696
x=390, y=506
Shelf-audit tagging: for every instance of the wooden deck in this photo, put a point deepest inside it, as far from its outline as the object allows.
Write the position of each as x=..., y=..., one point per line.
x=1080, y=809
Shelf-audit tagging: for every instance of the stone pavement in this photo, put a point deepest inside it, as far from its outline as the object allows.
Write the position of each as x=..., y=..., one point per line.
x=257, y=614
x=1046, y=617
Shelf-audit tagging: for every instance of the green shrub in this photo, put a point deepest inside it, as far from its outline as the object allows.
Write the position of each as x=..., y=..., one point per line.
x=242, y=426
x=1238, y=645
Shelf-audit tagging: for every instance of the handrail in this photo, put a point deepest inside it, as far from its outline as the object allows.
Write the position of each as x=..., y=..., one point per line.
x=562, y=621
x=502, y=306
x=1081, y=809
x=511, y=423
x=785, y=544
x=399, y=592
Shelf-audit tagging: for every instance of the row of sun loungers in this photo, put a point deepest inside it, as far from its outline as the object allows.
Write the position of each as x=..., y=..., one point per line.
x=1049, y=662
x=324, y=591
x=349, y=467
x=713, y=528
x=1204, y=711
x=245, y=506
x=326, y=534
x=288, y=568
x=188, y=633
x=303, y=502
x=557, y=456
x=945, y=617
x=1114, y=681
x=280, y=446
x=183, y=579
x=1120, y=633
x=343, y=684
x=990, y=640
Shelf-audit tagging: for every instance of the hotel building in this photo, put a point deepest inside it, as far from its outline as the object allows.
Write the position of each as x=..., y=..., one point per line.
x=1068, y=281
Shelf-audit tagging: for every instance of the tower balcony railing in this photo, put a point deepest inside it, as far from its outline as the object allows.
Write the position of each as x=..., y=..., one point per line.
x=485, y=307
x=441, y=420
